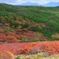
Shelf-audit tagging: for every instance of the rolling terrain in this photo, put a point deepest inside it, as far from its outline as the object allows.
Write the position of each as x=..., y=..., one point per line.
x=29, y=32
x=44, y=20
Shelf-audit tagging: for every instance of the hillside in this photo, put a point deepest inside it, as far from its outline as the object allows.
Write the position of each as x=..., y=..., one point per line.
x=29, y=23
x=53, y=4
x=29, y=4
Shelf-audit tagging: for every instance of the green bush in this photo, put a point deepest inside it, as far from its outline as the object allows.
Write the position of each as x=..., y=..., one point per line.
x=16, y=24
x=35, y=29
x=24, y=25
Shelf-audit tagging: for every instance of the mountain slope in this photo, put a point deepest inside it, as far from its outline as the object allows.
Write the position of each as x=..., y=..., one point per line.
x=53, y=4
x=44, y=21
x=29, y=4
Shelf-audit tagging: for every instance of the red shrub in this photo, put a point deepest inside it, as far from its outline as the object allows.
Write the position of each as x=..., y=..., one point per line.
x=10, y=37
x=6, y=55
x=17, y=36
x=1, y=30
x=13, y=41
x=2, y=37
x=13, y=34
x=29, y=33
x=33, y=47
x=10, y=33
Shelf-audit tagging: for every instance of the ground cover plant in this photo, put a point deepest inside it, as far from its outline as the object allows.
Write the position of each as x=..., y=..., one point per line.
x=29, y=32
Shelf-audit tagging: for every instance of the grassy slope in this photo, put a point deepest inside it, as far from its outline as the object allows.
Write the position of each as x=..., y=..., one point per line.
x=47, y=15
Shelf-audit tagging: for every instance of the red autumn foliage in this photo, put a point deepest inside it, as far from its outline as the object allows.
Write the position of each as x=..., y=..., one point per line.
x=1, y=30
x=13, y=41
x=10, y=33
x=33, y=47
x=6, y=55
x=29, y=33
x=10, y=37
x=19, y=29
x=13, y=34
x=2, y=37
x=17, y=36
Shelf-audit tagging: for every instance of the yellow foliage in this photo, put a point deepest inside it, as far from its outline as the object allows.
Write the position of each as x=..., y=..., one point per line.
x=12, y=55
x=6, y=24
x=6, y=55
x=23, y=37
x=40, y=37
x=56, y=35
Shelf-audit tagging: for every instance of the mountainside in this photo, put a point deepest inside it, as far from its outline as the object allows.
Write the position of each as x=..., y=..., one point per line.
x=53, y=4
x=29, y=23
x=29, y=4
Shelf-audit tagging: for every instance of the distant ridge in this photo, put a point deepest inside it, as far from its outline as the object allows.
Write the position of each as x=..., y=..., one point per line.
x=52, y=4
x=29, y=4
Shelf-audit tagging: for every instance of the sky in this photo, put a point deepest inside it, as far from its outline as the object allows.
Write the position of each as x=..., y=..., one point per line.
x=41, y=2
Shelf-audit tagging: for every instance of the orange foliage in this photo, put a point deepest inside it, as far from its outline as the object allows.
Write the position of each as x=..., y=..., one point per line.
x=17, y=36
x=29, y=33
x=33, y=47
x=13, y=34
x=6, y=55
x=13, y=41
x=10, y=33
x=1, y=30
x=2, y=37
x=10, y=37
x=6, y=24
x=6, y=37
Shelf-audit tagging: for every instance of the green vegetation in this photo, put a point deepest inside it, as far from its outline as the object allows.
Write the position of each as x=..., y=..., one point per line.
x=36, y=56
x=35, y=29
x=48, y=15
x=24, y=25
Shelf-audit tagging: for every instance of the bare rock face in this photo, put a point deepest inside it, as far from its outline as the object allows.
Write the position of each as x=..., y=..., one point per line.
x=44, y=54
